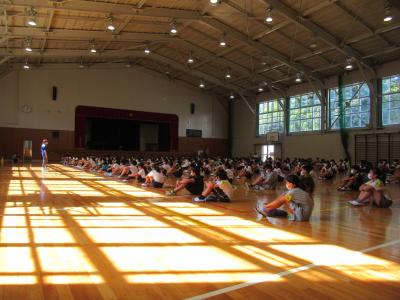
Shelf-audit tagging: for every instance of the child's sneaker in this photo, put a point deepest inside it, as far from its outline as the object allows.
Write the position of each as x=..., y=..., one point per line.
x=170, y=193
x=356, y=202
x=259, y=209
x=199, y=199
x=145, y=185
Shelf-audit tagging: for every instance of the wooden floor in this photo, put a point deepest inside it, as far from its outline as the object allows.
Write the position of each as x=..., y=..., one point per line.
x=67, y=234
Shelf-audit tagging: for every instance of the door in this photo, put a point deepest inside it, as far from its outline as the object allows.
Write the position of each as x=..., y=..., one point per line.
x=267, y=151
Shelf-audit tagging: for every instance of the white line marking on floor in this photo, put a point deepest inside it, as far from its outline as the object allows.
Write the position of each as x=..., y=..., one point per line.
x=272, y=277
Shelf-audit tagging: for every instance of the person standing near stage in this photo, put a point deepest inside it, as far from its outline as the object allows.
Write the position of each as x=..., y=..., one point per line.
x=43, y=150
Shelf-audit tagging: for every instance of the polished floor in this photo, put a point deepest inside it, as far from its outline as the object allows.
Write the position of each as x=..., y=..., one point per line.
x=68, y=234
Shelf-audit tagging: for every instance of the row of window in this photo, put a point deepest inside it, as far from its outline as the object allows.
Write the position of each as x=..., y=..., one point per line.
x=351, y=109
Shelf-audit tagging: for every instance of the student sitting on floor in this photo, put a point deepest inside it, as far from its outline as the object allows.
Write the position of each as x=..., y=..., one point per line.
x=297, y=202
x=268, y=180
x=306, y=180
x=138, y=172
x=245, y=171
x=326, y=172
x=155, y=178
x=395, y=174
x=229, y=171
x=353, y=181
x=129, y=168
x=372, y=191
x=194, y=184
x=278, y=170
x=217, y=190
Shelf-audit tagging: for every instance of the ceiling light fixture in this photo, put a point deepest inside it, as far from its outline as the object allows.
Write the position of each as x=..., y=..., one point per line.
x=190, y=58
x=110, y=25
x=201, y=84
x=93, y=47
x=173, y=30
x=228, y=75
x=313, y=43
x=214, y=2
x=269, y=18
x=147, y=50
x=298, y=78
x=32, y=17
x=349, y=65
x=28, y=44
x=81, y=65
x=222, y=42
x=26, y=65
x=232, y=95
x=260, y=88
x=32, y=21
x=388, y=16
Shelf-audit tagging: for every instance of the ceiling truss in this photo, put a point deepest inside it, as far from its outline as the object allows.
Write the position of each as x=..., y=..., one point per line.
x=248, y=77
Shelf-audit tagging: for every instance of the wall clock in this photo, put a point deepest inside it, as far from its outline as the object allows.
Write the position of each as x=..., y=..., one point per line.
x=26, y=108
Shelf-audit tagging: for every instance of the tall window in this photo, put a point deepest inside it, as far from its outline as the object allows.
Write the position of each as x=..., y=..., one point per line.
x=391, y=100
x=270, y=116
x=304, y=113
x=356, y=106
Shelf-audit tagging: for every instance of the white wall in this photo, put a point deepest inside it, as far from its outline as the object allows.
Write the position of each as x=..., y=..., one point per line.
x=9, y=100
x=134, y=89
x=325, y=144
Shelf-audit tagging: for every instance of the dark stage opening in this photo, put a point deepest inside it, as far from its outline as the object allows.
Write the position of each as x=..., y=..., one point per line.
x=116, y=134
x=98, y=128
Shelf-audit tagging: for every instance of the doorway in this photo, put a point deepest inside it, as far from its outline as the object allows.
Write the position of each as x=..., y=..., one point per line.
x=267, y=151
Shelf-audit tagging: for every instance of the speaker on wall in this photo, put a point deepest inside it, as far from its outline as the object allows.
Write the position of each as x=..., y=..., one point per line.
x=192, y=108
x=54, y=98
x=55, y=134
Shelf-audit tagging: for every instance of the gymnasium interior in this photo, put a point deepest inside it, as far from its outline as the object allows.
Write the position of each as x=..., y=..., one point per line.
x=228, y=84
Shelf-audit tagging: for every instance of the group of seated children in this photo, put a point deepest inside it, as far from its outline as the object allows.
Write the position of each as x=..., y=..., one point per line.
x=253, y=174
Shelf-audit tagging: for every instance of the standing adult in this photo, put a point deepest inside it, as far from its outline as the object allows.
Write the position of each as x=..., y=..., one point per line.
x=43, y=150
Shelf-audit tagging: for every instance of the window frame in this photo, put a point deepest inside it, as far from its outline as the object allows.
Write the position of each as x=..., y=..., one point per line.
x=321, y=111
x=370, y=110
x=381, y=101
x=282, y=111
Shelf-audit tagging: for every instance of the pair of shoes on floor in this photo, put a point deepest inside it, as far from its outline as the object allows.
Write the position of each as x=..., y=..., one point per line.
x=259, y=209
x=357, y=202
x=344, y=189
x=170, y=193
x=199, y=199
x=144, y=185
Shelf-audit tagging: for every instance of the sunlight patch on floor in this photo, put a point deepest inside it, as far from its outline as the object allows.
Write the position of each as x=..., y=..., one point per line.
x=175, y=258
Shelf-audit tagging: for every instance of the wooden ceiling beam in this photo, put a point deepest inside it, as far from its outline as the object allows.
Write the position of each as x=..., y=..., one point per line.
x=292, y=15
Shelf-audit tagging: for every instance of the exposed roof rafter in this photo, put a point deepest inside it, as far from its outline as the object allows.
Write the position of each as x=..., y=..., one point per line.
x=318, y=31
